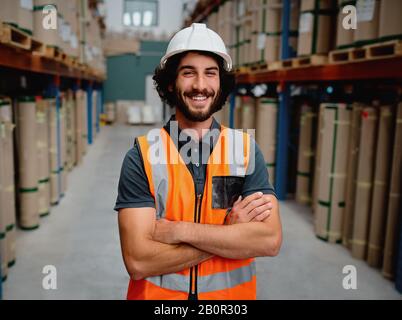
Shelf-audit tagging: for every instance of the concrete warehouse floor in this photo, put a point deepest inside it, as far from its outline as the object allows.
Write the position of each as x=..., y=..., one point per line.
x=80, y=238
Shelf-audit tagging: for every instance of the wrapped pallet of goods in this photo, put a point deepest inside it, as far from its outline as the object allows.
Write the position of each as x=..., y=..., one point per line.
x=84, y=129
x=79, y=126
x=390, y=20
x=3, y=212
x=318, y=154
x=368, y=20
x=334, y=128
x=364, y=182
x=353, y=152
x=63, y=147
x=266, y=132
x=94, y=114
x=344, y=37
x=70, y=125
x=305, y=155
x=394, y=202
x=269, y=22
x=110, y=112
x=28, y=177
x=7, y=191
x=18, y=14
x=379, y=202
x=238, y=112
x=53, y=153
x=49, y=36
x=42, y=110
x=248, y=113
x=315, y=24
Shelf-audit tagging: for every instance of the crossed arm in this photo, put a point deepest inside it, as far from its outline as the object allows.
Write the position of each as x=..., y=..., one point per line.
x=153, y=247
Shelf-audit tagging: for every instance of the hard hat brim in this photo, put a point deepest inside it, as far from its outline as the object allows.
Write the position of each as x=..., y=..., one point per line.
x=226, y=58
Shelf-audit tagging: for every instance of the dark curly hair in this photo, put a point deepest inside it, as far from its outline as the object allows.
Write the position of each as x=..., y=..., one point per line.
x=163, y=78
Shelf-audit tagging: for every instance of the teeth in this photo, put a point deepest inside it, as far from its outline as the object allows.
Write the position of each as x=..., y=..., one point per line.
x=199, y=98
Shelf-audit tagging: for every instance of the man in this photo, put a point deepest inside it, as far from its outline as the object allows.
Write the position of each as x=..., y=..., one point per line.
x=183, y=235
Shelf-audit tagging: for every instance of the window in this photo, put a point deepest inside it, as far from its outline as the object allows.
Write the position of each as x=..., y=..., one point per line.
x=140, y=13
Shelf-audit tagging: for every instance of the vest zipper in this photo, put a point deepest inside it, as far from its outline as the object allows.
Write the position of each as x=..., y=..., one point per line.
x=193, y=294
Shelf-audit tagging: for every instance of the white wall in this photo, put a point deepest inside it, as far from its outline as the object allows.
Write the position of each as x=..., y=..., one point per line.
x=170, y=17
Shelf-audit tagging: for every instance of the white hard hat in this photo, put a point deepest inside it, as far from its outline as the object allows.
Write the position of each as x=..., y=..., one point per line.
x=197, y=37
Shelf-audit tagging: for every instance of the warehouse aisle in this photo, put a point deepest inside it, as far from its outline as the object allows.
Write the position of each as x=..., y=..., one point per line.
x=80, y=238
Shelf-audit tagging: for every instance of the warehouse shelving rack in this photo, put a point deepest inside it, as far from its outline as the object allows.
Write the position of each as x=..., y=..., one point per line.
x=24, y=62
x=386, y=68
x=372, y=69
x=14, y=58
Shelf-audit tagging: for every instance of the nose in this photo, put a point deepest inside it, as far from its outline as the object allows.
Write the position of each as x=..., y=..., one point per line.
x=199, y=83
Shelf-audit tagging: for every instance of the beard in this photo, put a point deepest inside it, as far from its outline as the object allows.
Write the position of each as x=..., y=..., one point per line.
x=197, y=116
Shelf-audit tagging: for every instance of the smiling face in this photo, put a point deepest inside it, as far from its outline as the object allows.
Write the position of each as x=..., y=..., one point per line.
x=197, y=86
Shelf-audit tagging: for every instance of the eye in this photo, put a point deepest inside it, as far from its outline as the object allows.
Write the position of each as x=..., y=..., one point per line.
x=211, y=73
x=188, y=73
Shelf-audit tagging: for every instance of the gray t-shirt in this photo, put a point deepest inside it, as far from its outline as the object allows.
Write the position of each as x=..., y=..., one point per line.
x=134, y=192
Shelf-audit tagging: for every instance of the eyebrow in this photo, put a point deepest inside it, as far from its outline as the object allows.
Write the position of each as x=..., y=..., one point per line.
x=193, y=68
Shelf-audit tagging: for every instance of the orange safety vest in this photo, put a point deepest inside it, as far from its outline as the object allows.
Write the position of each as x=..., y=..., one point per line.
x=173, y=189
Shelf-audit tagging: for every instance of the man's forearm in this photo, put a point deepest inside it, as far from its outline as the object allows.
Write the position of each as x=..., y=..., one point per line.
x=238, y=241
x=165, y=258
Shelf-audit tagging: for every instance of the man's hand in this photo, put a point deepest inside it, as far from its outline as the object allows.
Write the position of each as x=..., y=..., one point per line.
x=165, y=231
x=255, y=207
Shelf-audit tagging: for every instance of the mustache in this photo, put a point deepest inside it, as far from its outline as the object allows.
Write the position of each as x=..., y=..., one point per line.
x=204, y=92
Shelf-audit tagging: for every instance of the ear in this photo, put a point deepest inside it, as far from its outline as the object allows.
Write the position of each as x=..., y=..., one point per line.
x=170, y=88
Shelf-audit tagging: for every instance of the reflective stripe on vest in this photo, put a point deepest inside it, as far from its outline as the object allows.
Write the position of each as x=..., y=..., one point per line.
x=213, y=282
x=175, y=200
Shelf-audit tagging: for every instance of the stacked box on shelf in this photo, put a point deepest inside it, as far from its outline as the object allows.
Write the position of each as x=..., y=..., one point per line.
x=344, y=37
x=353, y=152
x=50, y=35
x=394, y=201
x=7, y=189
x=18, y=14
x=53, y=153
x=42, y=110
x=270, y=24
x=390, y=20
x=379, y=202
x=334, y=129
x=316, y=23
x=266, y=132
x=368, y=20
x=305, y=155
x=27, y=163
x=364, y=182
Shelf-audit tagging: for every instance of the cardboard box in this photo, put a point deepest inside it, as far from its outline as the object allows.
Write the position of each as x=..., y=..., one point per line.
x=266, y=132
x=305, y=155
x=322, y=43
x=335, y=128
x=42, y=116
x=393, y=214
x=390, y=19
x=344, y=36
x=364, y=182
x=382, y=172
x=27, y=163
x=368, y=19
x=310, y=5
x=353, y=152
